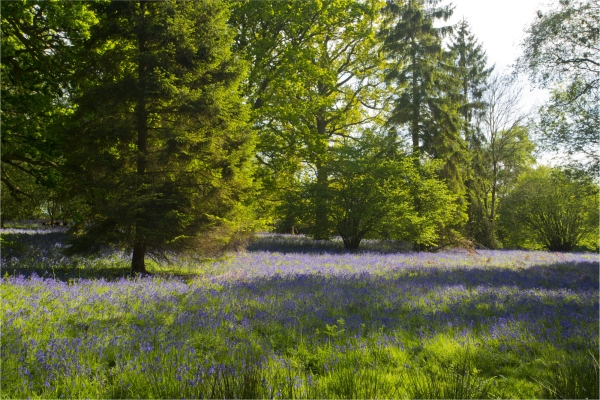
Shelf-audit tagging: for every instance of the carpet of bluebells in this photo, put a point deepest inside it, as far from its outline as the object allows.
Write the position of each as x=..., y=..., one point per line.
x=293, y=318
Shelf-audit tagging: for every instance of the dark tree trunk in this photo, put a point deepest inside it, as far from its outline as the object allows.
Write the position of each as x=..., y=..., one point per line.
x=138, y=264
x=416, y=103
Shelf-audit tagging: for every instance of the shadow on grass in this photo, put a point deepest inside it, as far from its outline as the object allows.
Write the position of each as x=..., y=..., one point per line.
x=39, y=252
x=286, y=243
x=555, y=304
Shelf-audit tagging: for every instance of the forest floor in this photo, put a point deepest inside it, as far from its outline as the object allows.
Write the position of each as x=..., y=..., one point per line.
x=293, y=318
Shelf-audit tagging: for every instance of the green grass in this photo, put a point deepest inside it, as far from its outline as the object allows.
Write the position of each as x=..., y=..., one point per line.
x=267, y=325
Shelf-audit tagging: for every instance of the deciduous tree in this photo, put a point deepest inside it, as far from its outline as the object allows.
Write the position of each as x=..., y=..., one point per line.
x=313, y=79
x=39, y=46
x=506, y=152
x=561, y=52
x=552, y=209
x=373, y=191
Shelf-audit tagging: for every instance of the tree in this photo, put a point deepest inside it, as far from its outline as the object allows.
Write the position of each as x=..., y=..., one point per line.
x=373, y=191
x=415, y=48
x=21, y=208
x=313, y=79
x=562, y=52
x=552, y=209
x=569, y=125
x=426, y=93
x=157, y=146
x=506, y=153
x=470, y=62
x=39, y=42
x=470, y=68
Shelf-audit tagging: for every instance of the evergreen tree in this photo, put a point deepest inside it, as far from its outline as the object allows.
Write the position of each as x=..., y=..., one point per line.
x=157, y=146
x=470, y=62
x=471, y=69
x=414, y=46
x=426, y=92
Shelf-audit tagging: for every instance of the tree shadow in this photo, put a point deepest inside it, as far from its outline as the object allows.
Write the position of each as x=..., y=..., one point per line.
x=287, y=243
x=557, y=303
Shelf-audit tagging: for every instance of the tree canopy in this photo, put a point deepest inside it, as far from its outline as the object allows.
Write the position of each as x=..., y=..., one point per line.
x=551, y=209
x=157, y=147
x=170, y=126
x=562, y=53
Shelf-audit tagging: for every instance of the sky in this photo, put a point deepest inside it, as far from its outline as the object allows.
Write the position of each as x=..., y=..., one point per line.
x=499, y=26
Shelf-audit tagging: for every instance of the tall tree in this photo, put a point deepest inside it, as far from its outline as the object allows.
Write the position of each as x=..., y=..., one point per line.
x=157, y=146
x=561, y=52
x=470, y=68
x=426, y=92
x=569, y=125
x=415, y=48
x=314, y=77
x=39, y=41
x=470, y=61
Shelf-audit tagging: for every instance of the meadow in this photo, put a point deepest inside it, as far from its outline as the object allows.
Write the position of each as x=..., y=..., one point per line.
x=293, y=318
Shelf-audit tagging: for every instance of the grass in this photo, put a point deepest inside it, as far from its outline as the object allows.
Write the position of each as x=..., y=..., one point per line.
x=313, y=323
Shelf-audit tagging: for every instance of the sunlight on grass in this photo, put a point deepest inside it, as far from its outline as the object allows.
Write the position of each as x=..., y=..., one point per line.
x=304, y=325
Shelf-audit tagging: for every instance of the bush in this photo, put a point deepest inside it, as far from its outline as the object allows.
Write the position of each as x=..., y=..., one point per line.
x=552, y=209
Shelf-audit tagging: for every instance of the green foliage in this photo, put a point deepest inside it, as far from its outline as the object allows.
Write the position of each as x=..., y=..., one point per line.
x=39, y=42
x=572, y=379
x=460, y=380
x=552, y=209
x=426, y=90
x=568, y=125
x=501, y=152
x=314, y=75
x=158, y=145
x=561, y=53
x=374, y=190
x=470, y=67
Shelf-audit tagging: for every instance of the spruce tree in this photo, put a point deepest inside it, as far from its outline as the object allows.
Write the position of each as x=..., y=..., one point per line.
x=471, y=70
x=426, y=92
x=414, y=47
x=157, y=146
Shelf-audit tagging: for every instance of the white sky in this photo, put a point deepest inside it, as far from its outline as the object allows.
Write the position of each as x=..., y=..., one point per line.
x=499, y=26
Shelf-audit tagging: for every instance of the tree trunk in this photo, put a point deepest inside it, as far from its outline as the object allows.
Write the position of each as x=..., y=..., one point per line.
x=138, y=263
x=414, y=123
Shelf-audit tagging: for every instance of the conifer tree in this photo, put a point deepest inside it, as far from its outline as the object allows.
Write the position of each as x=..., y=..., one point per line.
x=157, y=145
x=415, y=49
x=470, y=62
x=471, y=69
x=426, y=93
